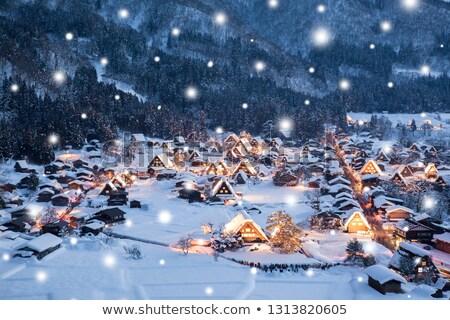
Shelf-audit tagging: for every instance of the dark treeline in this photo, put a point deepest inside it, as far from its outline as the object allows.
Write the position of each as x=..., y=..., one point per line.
x=32, y=40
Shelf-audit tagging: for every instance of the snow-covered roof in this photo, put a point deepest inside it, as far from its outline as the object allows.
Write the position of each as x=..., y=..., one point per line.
x=382, y=274
x=347, y=222
x=22, y=163
x=139, y=137
x=46, y=190
x=445, y=237
x=398, y=207
x=340, y=180
x=239, y=221
x=413, y=249
x=43, y=242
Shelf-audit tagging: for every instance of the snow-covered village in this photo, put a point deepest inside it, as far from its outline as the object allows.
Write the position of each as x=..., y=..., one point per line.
x=232, y=216
x=225, y=150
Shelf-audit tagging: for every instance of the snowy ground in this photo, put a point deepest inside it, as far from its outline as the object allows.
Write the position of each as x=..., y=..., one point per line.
x=92, y=269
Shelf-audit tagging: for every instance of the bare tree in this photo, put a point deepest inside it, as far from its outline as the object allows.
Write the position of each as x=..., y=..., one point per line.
x=185, y=243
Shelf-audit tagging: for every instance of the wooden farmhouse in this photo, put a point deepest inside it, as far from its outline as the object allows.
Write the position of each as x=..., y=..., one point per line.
x=371, y=168
x=398, y=179
x=423, y=265
x=40, y=246
x=384, y=280
x=244, y=225
x=443, y=242
x=397, y=213
x=431, y=171
x=246, y=167
x=61, y=200
x=357, y=223
x=161, y=160
x=222, y=190
x=110, y=216
x=410, y=230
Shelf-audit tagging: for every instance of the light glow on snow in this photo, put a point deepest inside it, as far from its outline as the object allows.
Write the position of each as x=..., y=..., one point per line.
x=69, y=36
x=220, y=18
x=109, y=261
x=83, y=116
x=307, y=102
x=425, y=70
x=128, y=223
x=333, y=232
x=6, y=257
x=361, y=122
x=311, y=70
x=117, y=97
x=41, y=276
x=219, y=130
x=369, y=247
x=310, y=272
x=73, y=241
x=321, y=8
x=245, y=106
x=159, y=107
x=157, y=58
x=259, y=66
x=390, y=84
x=344, y=85
x=291, y=200
x=176, y=32
x=59, y=77
x=210, y=64
x=14, y=87
x=164, y=217
x=360, y=279
x=162, y=262
x=191, y=93
x=410, y=5
x=253, y=270
x=104, y=61
x=417, y=260
x=372, y=46
x=387, y=149
x=123, y=13
x=273, y=3
x=366, y=189
x=321, y=37
x=386, y=26
x=209, y=291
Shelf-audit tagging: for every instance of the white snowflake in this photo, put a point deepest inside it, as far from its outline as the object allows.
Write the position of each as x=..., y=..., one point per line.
x=220, y=18
x=14, y=87
x=191, y=93
x=69, y=36
x=123, y=13
x=164, y=217
x=321, y=37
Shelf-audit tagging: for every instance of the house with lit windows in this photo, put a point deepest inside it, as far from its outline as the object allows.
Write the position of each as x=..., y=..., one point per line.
x=357, y=223
x=370, y=168
x=161, y=160
x=244, y=225
x=221, y=191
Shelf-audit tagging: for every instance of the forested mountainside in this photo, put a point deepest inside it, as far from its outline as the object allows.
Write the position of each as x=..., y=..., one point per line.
x=141, y=87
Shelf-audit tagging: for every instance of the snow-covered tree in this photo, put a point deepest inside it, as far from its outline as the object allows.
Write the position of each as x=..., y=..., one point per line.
x=285, y=234
x=354, y=247
x=133, y=252
x=406, y=265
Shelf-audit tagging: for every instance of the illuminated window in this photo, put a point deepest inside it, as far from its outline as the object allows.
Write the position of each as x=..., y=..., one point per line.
x=420, y=270
x=424, y=263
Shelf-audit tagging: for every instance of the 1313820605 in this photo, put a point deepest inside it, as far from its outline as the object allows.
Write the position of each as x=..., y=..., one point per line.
x=307, y=309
